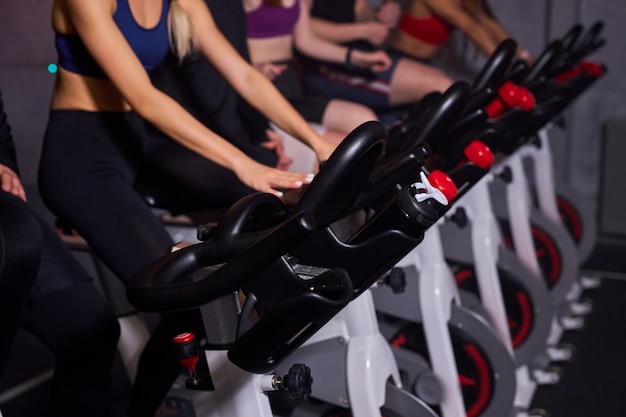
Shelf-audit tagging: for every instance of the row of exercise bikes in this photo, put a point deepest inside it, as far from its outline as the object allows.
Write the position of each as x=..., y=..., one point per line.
x=448, y=293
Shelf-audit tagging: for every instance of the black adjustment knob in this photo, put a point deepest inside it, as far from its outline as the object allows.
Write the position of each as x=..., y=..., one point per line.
x=506, y=175
x=298, y=382
x=204, y=231
x=425, y=151
x=396, y=280
x=460, y=217
x=534, y=141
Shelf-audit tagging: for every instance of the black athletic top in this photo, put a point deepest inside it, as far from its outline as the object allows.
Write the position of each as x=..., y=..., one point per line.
x=7, y=147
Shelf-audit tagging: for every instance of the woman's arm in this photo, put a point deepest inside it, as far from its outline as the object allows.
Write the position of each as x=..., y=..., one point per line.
x=307, y=42
x=488, y=20
x=387, y=13
x=455, y=15
x=247, y=81
x=94, y=24
x=372, y=31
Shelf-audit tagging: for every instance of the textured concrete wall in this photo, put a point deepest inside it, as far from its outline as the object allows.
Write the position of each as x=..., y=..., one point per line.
x=27, y=46
x=580, y=145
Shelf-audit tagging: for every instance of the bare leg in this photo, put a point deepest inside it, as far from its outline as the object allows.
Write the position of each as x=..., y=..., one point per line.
x=342, y=117
x=412, y=80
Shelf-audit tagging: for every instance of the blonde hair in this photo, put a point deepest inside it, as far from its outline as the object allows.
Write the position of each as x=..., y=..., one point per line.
x=180, y=30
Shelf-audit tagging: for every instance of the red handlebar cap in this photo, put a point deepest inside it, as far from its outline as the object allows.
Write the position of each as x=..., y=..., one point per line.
x=443, y=183
x=184, y=338
x=592, y=68
x=526, y=99
x=479, y=153
x=508, y=93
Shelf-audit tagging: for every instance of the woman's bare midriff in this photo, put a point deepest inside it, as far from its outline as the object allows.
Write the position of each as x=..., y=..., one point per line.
x=271, y=50
x=413, y=47
x=77, y=92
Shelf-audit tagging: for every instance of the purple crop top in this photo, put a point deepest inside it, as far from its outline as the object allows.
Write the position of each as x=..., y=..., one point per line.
x=267, y=22
x=150, y=45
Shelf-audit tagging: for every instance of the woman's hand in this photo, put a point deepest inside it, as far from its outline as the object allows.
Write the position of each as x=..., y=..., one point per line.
x=271, y=180
x=270, y=70
x=377, y=61
x=10, y=182
x=275, y=143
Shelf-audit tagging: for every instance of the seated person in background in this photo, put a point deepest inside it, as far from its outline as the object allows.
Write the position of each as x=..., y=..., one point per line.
x=361, y=27
x=426, y=25
x=46, y=291
x=275, y=28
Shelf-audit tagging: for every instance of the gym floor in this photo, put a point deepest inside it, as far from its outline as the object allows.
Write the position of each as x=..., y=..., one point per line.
x=593, y=382
x=592, y=385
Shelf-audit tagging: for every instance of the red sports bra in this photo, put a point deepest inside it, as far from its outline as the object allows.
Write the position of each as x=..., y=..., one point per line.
x=432, y=29
x=268, y=22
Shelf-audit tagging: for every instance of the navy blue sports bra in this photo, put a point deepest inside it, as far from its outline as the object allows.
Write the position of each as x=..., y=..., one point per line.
x=150, y=45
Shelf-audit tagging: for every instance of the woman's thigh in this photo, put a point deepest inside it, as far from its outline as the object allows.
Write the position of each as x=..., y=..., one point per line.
x=86, y=178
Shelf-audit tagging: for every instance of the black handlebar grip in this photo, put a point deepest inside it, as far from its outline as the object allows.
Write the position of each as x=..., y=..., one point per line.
x=334, y=189
x=544, y=63
x=496, y=66
x=572, y=36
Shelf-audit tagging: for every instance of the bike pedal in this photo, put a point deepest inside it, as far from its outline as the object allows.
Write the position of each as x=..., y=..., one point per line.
x=550, y=376
x=561, y=353
x=590, y=282
x=581, y=308
x=572, y=322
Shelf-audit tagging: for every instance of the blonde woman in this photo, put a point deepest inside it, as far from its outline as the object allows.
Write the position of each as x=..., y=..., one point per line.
x=96, y=140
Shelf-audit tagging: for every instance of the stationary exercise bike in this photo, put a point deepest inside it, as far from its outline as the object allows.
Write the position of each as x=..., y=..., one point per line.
x=319, y=299
x=557, y=257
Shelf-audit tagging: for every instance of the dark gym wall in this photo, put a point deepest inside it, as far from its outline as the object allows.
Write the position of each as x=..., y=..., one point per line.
x=27, y=47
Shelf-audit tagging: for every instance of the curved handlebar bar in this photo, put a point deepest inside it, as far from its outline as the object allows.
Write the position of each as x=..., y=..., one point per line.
x=544, y=63
x=572, y=36
x=167, y=285
x=433, y=128
x=332, y=193
x=496, y=66
x=588, y=43
x=404, y=165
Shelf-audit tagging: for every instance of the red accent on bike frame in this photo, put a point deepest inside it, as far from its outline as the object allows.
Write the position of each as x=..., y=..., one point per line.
x=189, y=363
x=484, y=391
x=555, y=269
x=526, y=312
x=570, y=213
x=399, y=340
x=463, y=274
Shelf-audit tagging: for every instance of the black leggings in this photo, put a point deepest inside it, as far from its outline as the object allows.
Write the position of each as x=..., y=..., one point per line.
x=87, y=175
x=65, y=312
